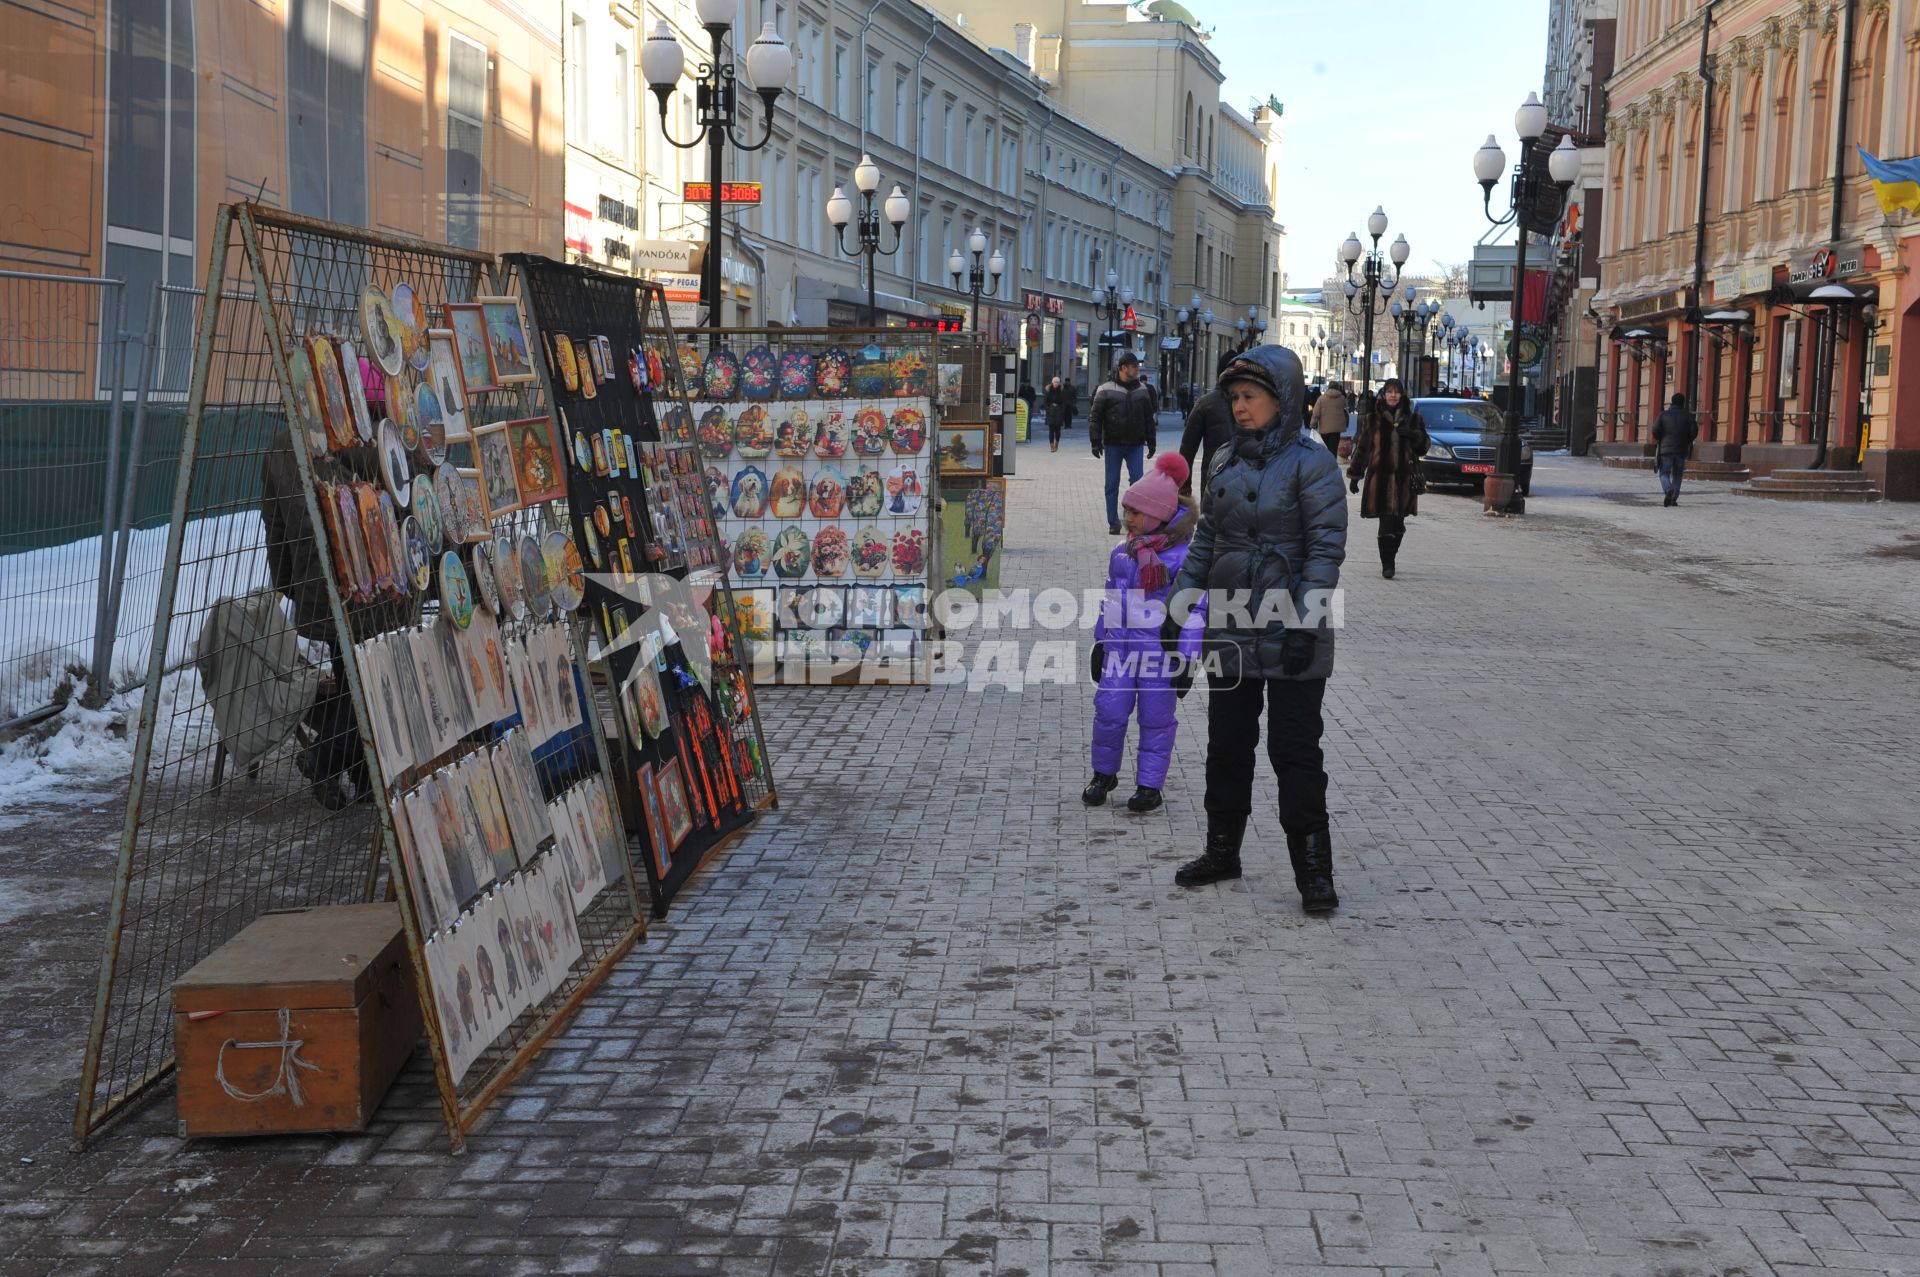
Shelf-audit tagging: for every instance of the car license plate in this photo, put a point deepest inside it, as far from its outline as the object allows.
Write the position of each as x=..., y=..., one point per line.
x=1476, y=469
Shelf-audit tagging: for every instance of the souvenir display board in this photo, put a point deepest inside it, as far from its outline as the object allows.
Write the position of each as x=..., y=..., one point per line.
x=407, y=503
x=973, y=530
x=817, y=450
x=694, y=768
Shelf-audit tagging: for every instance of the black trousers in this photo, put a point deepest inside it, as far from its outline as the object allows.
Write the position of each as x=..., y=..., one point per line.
x=1054, y=422
x=1293, y=747
x=1393, y=530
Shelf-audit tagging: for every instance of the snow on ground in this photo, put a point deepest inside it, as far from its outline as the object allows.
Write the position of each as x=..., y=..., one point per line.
x=83, y=756
x=48, y=597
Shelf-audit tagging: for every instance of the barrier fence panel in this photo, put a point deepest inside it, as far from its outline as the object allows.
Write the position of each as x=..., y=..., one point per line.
x=319, y=678
x=63, y=364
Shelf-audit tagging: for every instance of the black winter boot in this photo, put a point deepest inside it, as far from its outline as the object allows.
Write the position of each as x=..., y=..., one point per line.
x=1221, y=859
x=1145, y=798
x=1102, y=784
x=1312, y=856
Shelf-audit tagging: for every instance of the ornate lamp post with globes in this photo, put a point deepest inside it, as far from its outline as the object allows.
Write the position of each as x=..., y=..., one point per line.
x=769, y=63
x=1368, y=296
x=1112, y=301
x=1527, y=198
x=866, y=178
x=978, y=273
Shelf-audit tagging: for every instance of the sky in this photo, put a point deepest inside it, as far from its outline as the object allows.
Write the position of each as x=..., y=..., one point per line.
x=1386, y=102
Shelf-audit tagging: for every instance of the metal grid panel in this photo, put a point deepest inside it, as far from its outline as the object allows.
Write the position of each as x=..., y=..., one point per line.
x=207, y=850
x=63, y=355
x=884, y=388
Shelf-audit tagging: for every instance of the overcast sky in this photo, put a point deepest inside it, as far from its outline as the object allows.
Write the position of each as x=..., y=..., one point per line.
x=1386, y=102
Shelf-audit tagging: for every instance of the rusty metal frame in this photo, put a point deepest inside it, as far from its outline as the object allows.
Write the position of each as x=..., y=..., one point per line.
x=460, y=1116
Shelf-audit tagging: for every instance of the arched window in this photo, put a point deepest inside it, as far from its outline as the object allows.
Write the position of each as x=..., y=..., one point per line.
x=1824, y=87
x=1209, y=142
x=1783, y=175
x=1870, y=94
x=1187, y=124
x=150, y=161
x=1659, y=186
x=1749, y=132
x=1720, y=155
x=1637, y=179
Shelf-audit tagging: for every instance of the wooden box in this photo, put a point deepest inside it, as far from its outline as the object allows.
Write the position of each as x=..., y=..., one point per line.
x=336, y=981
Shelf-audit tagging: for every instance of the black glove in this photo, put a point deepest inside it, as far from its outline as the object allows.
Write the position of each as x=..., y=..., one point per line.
x=1353, y=484
x=1098, y=452
x=1096, y=662
x=1170, y=635
x=1296, y=653
x=1152, y=447
x=1183, y=680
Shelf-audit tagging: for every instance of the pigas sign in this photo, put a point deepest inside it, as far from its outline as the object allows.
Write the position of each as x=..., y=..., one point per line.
x=1836, y=261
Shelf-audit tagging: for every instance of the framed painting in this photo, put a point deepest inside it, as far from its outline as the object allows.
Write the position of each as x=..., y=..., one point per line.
x=443, y=374
x=536, y=467
x=964, y=448
x=506, y=339
x=497, y=486
x=671, y=786
x=468, y=323
x=656, y=825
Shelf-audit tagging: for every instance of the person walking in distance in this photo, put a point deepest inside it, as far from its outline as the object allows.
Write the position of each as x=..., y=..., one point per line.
x=1673, y=436
x=1121, y=424
x=1329, y=418
x=1133, y=674
x=1058, y=405
x=1274, y=532
x=1386, y=458
x=1209, y=425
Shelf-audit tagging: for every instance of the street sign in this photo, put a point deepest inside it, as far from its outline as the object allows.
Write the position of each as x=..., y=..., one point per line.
x=730, y=192
x=1131, y=321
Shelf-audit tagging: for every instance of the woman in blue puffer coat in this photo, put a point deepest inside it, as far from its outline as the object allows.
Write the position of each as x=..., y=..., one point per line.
x=1128, y=664
x=1267, y=554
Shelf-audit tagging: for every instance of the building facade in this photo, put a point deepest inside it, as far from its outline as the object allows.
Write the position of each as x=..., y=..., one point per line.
x=131, y=121
x=1787, y=313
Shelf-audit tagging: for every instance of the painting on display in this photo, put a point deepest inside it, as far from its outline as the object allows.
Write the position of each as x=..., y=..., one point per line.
x=973, y=524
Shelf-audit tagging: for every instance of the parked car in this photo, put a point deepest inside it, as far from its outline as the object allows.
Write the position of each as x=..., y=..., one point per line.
x=1465, y=443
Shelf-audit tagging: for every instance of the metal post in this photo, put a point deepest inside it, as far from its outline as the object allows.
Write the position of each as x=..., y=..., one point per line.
x=156, y=324
x=100, y=675
x=722, y=91
x=1509, y=460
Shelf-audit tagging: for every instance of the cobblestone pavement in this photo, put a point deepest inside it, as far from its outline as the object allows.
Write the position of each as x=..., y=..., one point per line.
x=1624, y=981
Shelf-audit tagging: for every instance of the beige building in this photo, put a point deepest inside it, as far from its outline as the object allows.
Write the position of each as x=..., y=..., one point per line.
x=1153, y=86
x=1796, y=325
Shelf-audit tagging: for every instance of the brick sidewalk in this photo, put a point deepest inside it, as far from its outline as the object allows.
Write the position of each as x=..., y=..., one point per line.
x=1623, y=982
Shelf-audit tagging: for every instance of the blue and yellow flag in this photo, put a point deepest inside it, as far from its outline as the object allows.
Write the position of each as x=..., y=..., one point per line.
x=1896, y=183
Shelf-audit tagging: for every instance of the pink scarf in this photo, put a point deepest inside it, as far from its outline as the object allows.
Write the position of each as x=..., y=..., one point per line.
x=1146, y=552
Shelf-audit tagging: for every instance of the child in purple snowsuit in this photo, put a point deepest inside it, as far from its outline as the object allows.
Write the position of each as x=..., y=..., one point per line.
x=1128, y=662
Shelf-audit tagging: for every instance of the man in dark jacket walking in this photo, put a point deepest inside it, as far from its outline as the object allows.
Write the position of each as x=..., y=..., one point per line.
x=1209, y=425
x=1057, y=403
x=1673, y=436
x=1121, y=425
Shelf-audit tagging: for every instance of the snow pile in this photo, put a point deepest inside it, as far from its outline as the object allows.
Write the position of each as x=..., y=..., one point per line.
x=78, y=756
x=50, y=596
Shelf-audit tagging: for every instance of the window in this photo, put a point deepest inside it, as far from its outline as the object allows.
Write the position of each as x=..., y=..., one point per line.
x=900, y=135
x=466, y=138
x=327, y=109
x=620, y=116
x=840, y=86
x=577, y=75
x=966, y=146
x=871, y=120
x=946, y=134
x=150, y=163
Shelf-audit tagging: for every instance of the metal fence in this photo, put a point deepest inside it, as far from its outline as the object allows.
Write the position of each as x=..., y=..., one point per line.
x=91, y=386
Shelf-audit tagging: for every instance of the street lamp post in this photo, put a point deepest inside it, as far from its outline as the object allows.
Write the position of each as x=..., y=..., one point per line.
x=982, y=276
x=1367, y=296
x=1112, y=301
x=1525, y=193
x=769, y=63
x=866, y=178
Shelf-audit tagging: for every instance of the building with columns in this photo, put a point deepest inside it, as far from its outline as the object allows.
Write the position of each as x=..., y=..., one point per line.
x=1787, y=313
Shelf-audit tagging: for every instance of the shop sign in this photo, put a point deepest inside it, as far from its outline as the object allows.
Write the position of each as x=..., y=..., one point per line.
x=1836, y=261
x=1671, y=300
x=1742, y=281
x=664, y=254
x=1052, y=306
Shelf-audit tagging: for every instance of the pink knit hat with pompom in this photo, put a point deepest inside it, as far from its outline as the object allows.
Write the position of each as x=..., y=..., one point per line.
x=1158, y=492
